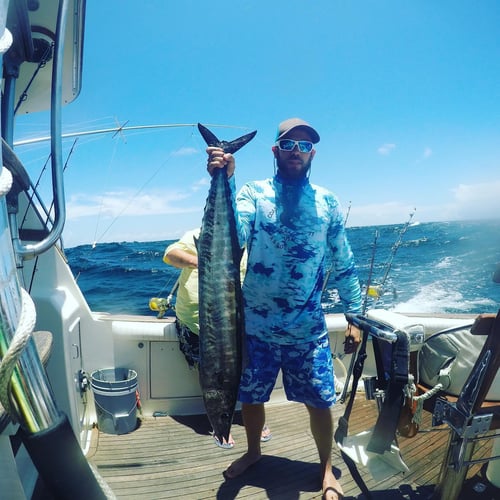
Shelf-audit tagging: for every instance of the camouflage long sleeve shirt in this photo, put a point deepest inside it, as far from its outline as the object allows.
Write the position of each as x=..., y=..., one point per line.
x=291, y=230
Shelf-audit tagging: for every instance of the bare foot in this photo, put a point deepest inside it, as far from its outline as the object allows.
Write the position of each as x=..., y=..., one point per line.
x=241, y=465
x=331, y=488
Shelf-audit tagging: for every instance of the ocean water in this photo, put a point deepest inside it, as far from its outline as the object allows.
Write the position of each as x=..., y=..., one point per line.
x=444, y=267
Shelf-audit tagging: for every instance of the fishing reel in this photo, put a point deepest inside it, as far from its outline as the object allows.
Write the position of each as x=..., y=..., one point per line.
x=161, y=306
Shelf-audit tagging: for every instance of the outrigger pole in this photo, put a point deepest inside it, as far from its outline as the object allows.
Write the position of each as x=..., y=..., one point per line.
x=116, y=131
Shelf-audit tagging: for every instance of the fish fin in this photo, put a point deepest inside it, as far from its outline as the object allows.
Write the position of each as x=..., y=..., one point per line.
x=233, y=146
x=228, y=146
x=210, y=138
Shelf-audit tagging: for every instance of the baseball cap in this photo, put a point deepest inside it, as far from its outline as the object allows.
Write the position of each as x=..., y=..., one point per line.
x=288, y=125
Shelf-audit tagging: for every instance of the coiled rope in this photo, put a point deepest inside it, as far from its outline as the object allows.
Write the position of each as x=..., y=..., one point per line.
x=23, y=331
x=22, y=335
x=411, y=390
x=19, y=341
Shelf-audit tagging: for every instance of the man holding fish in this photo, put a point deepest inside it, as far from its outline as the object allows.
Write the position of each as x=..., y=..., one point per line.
x=289, y=228
x=184, y=255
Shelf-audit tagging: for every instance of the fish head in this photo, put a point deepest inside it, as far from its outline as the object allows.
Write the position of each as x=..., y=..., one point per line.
x=219, y=405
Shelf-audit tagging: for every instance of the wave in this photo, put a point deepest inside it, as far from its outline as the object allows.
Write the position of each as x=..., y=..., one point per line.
x=436, y=298
x=439, y=267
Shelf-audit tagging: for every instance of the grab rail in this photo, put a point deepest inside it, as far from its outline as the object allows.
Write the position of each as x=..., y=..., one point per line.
x=30, y=250
x=378, y=330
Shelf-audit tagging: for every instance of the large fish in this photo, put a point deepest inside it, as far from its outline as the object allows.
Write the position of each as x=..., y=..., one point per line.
x=219, y=288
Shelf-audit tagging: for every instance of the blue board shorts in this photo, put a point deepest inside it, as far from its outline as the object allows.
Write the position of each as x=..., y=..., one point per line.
x=307, y=372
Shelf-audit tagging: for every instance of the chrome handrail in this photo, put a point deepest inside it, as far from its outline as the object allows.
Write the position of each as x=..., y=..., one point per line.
x=35, y=406
x=30, y=250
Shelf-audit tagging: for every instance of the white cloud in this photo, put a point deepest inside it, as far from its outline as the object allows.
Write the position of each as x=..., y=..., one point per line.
x=464, y=202
x=386, y=149
x=470, y=193
x=427, y=153
x=185, y=151
x=200, y=184
x=477, y=201
x=374, y=214
x=126, y=203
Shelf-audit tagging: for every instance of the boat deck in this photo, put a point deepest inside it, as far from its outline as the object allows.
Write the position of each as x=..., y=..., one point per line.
x=175, y=457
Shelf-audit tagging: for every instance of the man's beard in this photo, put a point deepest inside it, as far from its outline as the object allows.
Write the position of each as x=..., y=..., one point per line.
x=285, y=171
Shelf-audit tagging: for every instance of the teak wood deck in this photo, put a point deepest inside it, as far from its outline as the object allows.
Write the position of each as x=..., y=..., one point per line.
x=175, y=457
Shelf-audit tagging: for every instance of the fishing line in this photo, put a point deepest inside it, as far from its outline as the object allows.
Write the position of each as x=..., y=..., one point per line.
x=117, y=131
x=115, y=146
x=47, y=212
x=141, y=188
x=162, y=165
x=64, y=170
x=35, y=190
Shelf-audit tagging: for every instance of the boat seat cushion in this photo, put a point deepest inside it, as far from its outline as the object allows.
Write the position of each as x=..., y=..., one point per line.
x=448, y=357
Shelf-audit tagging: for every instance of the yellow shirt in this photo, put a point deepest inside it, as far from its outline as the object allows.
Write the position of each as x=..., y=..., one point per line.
x=186, y=304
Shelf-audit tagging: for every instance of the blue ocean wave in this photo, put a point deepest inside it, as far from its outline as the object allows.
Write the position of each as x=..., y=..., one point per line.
x=443, y=267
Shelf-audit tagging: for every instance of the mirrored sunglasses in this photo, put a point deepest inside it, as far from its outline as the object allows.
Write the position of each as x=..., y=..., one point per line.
x=289, y=145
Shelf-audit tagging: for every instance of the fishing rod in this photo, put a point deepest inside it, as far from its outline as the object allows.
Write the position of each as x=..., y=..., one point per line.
x=363, y=312
x=347, y=213
x=376, y=291
x=370, y=274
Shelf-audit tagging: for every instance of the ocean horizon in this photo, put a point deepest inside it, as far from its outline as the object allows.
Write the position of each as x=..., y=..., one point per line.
x=431, y=267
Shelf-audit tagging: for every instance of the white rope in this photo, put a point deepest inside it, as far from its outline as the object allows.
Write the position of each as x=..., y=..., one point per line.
x=410, y=389
x=22, y=335
x=21, y=338
x=417, y=418
x=19, y=341
x=5, y=181
x=443, y=382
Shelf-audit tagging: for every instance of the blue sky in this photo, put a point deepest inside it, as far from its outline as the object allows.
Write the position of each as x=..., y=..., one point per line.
x=405, y=96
